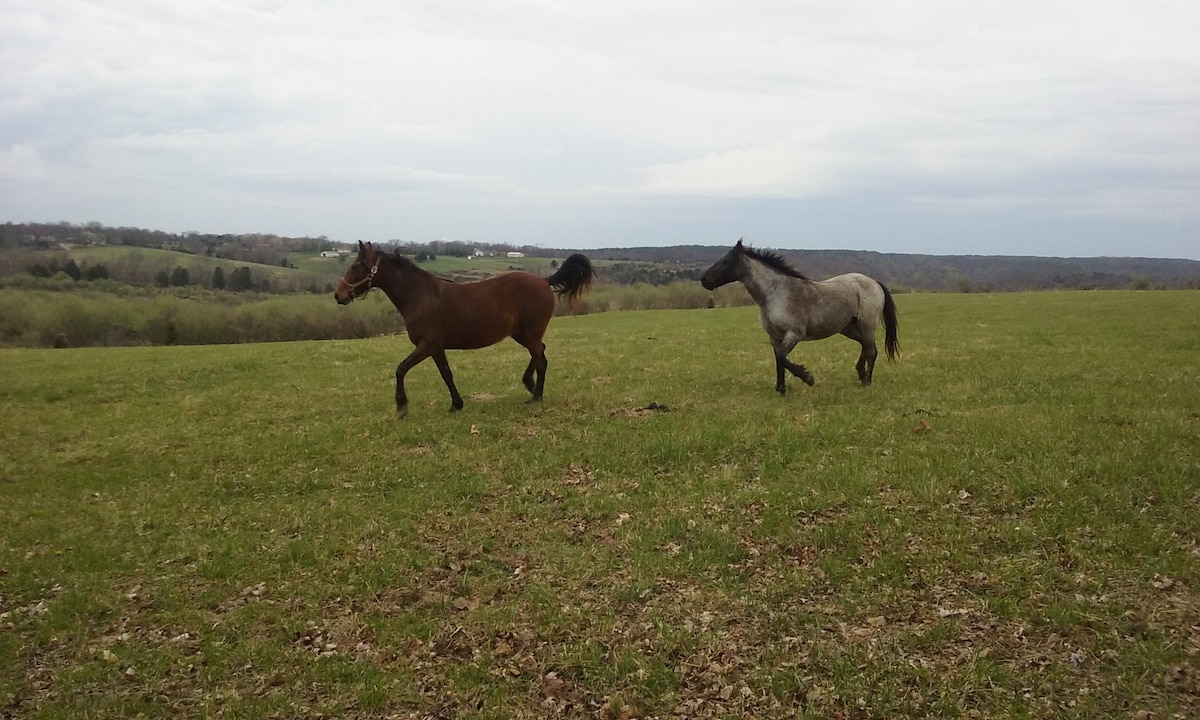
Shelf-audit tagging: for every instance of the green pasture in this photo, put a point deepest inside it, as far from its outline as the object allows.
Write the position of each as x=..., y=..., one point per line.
x=1006, y=524
x=150, y=260
x=317, y=265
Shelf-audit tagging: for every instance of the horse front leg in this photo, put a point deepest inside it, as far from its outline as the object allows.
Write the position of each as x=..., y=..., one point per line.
x=799, y=371
x=443, y=366
x=416, y=356
x=782, y=363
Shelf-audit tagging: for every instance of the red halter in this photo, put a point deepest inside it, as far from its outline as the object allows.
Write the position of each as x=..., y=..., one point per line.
x=368, y=280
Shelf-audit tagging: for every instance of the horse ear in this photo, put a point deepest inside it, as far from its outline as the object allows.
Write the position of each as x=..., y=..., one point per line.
x=739, y=244
x=362, y=249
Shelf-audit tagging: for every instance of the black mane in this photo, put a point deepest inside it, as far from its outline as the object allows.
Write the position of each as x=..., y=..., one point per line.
x=775, y=261
x=395, y=257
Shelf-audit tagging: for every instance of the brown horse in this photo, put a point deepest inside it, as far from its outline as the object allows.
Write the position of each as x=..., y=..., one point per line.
x=442, y=315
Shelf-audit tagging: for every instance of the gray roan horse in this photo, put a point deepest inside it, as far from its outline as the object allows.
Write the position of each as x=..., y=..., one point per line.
x=792, y=308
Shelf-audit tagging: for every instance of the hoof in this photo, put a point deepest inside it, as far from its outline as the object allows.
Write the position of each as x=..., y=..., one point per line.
x=401, y=412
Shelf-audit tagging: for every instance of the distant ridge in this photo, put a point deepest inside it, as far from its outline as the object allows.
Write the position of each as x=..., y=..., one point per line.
x=655, y=265
x=954, y=273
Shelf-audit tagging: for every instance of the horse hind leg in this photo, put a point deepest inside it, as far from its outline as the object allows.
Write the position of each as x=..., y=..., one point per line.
x=540, y=385
x=534, y=377
x=866, y=363
x=527, y=377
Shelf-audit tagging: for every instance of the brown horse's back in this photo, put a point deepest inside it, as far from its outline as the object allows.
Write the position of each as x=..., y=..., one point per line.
x=481, y=313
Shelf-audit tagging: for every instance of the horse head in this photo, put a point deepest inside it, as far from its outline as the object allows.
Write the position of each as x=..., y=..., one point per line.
x=725, y=270
x=359, y=276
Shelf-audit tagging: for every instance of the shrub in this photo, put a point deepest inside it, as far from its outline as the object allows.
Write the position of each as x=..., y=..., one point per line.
x=45, y=311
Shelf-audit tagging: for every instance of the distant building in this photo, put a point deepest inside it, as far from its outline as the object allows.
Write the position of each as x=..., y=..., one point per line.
x=329, y=253
x=514, y=254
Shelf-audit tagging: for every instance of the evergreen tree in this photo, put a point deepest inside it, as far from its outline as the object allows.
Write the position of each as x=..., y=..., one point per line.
x=73, y=270
x=240, y=280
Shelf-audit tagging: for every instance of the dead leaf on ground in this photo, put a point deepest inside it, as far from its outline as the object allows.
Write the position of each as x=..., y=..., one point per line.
x=464, y=604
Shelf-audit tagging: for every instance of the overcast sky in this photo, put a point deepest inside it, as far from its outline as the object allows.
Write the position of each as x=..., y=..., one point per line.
x=1023, y=127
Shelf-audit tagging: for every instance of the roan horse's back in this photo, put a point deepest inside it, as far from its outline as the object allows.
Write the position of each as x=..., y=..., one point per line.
x=824, y=308
x=863, y=294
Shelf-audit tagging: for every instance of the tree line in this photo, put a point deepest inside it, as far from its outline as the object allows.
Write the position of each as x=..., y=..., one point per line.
x=266, y=249
x=261, y=248
x=239, y=279
x=651, y=265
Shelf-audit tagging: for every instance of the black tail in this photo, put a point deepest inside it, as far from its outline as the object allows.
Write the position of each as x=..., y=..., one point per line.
x=890, y=324
x=573, y=277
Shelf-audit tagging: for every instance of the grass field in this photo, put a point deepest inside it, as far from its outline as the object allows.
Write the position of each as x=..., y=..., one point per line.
x=201, y=267
x=1007, y=524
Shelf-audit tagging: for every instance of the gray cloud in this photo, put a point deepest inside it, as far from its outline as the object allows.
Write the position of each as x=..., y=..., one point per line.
x=1060, y=127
